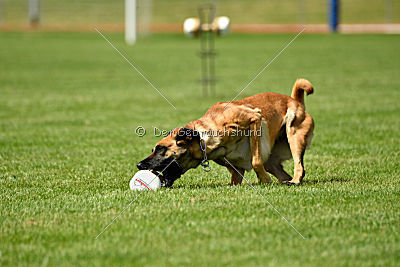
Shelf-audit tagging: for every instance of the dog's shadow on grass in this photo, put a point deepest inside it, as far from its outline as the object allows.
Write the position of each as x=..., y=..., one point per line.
x=199, y=186
x=216, y=186
x=330, y=180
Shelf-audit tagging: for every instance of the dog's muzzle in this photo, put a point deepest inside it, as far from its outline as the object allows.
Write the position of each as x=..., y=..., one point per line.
x=167, y=172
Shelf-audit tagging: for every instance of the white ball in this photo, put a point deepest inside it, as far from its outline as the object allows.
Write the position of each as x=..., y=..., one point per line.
x=145, y=180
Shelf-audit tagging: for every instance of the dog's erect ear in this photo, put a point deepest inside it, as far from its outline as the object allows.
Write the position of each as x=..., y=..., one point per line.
x=185, y=136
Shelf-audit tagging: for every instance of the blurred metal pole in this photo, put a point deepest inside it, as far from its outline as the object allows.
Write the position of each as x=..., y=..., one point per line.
x=333, y=14
x=130, y=21
x=34, y=12
x=388, y=11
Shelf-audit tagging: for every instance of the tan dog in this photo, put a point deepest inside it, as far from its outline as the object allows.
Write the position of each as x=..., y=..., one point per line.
x=258, y=132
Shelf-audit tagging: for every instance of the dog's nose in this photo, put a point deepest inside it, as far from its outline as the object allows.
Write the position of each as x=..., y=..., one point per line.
x=141, y=166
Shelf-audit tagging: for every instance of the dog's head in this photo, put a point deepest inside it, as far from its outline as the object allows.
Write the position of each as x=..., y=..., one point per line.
x=176, y=153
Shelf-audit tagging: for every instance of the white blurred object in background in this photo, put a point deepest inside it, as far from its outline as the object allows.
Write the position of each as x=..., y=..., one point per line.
x=130, y=21
x=222, y=25
x=191, y=27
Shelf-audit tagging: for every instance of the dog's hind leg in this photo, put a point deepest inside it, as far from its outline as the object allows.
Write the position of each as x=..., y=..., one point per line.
x=280, y=152
x=255, y=146
x=299, y=134
x=277, y=170
x=237, y=175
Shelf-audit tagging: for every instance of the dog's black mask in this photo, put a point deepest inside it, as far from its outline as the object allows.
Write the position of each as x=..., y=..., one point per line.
x=171, y=157
x=167, y=169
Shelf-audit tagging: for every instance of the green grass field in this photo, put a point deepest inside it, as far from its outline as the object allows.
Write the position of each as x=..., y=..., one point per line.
x=69, y=106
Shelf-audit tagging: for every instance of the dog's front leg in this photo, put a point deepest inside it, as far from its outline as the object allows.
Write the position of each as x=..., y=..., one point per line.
x=255, y=144
x=237, y=175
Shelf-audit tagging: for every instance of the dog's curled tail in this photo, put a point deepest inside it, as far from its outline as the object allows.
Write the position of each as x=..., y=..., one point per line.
x=299, y=87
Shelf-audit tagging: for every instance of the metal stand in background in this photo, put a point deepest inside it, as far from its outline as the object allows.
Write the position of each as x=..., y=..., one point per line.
x=207, y=27
x=34, y=12
x=207, y=52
